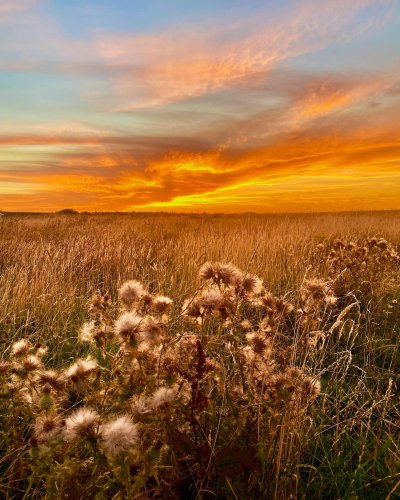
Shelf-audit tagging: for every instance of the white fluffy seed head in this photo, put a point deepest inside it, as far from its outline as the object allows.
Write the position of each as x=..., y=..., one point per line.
x=119, y=436
x=20, y=348
x=87, y=332
x=161, y=304
x=130, y=293
x=80, y=423
x=128, y=325
x=162, y=397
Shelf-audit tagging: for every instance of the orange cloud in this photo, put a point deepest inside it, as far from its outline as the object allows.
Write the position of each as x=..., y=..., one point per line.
x=153, y=70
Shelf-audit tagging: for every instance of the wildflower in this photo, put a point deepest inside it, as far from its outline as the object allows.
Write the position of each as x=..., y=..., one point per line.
x=373, y=241
x=161, y=304
x=146, y=301
x=274, y=306
x=82, y=368
x=31, y=363
x=80, y=423
x=87, y=332
x=311, y=389
x=162, y=397
x=338, y=244
x=316, y=290
x=128, y=325
x=94, y=334
x=220, y=273
x=52, y=378
x=119, y=436
x=130, y=293
x=79, y=373
x=382, y=243
x=150, y=330
x=48, y=427
x=39, y=350
x=258, y=342
x=99, y=303
x=251, y=285
x=20, y=348
x=211, y=299
x=192, y=308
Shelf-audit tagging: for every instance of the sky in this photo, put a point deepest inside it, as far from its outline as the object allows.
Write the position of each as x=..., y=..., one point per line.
x=199, y=106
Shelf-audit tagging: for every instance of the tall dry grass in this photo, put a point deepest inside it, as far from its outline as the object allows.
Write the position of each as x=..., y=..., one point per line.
x=51, y=265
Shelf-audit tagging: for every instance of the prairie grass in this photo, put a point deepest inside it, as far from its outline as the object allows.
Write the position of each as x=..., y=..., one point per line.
x=327, y=320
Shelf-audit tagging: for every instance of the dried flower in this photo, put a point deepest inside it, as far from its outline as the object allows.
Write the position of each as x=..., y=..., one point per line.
x=119, y=436
x=130, y=293
x=161, y=304
x=78, y=374
x=162, y=397
x=150, y=330
x=52, y=378
x=80, y=423
x=220, y=273
x=250, y=285
x=48, y=427
x=129, y=326
x=20, y=348
x=31, y=363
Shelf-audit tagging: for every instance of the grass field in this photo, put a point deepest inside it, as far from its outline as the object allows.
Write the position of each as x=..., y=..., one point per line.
x=328, y=309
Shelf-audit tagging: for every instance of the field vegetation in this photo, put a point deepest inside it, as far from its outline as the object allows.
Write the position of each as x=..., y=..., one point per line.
x=200, y=356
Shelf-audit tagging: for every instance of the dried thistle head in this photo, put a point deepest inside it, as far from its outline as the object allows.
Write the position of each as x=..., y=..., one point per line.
x=31, y=363
x=211, y=299
x=192, y=308
x=228, y=274
x=5, y=366
x=81, y=372
x=250, y=285
x=129, y=326
x=48, y=428
x=150, y=331
x=161, y=305
x=258, y=342
x=82, y=422
x=310, y=389
x=52, y=378
x=162, y=397
x=99, y=303
x=21, y=348
x=130, y=293
x=139, y=405
x=95, y=333
x=316, y=291
x=118, y=436
x=212, y=302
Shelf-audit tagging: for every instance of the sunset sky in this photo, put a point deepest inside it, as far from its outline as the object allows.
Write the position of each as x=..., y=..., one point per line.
x=212, y=105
